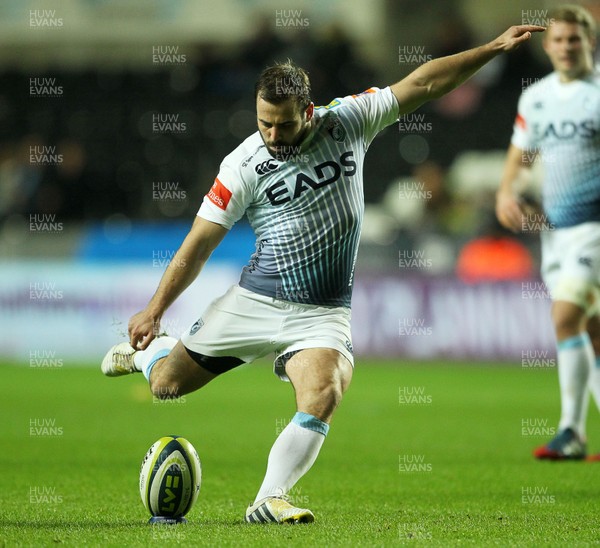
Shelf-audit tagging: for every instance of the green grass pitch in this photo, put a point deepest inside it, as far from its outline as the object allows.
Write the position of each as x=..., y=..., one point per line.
x=418, y=455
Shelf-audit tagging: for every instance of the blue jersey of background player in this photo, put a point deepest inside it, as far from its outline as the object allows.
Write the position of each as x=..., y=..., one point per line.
x=559, y=120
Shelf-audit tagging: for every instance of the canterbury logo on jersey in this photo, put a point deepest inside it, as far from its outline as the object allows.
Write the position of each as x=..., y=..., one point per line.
x=566, y=129
x=325, y=173
x=266, y=167
x=219, y=195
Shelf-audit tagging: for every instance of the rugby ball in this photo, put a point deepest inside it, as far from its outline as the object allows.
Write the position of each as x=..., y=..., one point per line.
x=170, y=477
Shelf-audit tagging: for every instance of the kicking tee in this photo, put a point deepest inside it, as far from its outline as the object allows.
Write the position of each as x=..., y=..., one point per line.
x=561, y=122
x=306, y=211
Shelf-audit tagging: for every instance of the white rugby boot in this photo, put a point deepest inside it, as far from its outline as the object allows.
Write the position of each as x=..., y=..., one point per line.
x=277, y=510
x=119, y=360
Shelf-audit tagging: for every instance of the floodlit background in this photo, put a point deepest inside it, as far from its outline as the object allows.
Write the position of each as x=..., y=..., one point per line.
x=115, y=116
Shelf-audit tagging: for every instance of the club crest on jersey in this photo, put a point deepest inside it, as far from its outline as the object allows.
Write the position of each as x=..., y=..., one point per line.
x=336, y=129
x=266, y=167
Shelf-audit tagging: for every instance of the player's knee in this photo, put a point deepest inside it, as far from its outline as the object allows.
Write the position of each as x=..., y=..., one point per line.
x=331, y=396
x=567, y=327
x=596, y=345
x=327, y=396
x=320, y=379
x=595, y=338
x=593, y=329
x=568, y=319
x=321, y=404
x=335, y=386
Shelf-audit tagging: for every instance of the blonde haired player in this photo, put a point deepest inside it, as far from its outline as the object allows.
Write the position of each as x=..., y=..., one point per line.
x=299, y=181
x=559, y=120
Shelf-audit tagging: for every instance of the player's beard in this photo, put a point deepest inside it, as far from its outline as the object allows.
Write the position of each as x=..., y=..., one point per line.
x=284, y=151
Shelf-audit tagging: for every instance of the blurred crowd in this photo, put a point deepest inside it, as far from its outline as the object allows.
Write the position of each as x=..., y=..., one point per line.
x=104, y=151
x=91, y=149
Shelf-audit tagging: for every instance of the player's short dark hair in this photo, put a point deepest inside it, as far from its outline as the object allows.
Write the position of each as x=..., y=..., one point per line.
x=283, y=81
x=571, y=13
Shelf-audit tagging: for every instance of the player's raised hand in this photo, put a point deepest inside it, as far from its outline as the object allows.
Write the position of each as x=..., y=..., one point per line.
x=515, y=36
x=143, y=328
x=509, y=211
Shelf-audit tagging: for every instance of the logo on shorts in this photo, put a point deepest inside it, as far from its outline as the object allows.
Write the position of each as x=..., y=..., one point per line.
x=585, y=261
x=194, y=329
x=349, y=346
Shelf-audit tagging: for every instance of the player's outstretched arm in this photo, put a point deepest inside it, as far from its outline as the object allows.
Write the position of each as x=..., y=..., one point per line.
x=509, y=208
x=440, y=76
x=203, y=238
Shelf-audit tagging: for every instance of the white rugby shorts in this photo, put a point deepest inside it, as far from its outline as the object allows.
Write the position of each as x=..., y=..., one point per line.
x=248, y=326
x=571, y=265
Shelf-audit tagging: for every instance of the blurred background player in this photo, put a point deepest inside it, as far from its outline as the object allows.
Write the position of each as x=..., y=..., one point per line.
x=559, y=120
x=299, y=181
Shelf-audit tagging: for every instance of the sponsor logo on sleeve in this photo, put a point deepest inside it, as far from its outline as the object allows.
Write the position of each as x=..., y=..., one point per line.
x=219, y=195
x=520, y=122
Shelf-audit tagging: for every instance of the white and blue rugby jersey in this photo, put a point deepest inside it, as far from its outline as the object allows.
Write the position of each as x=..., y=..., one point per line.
x=307, y=211
x=561, y=121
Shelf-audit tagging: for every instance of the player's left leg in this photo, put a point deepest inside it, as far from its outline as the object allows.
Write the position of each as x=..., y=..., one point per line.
x=320, y=376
